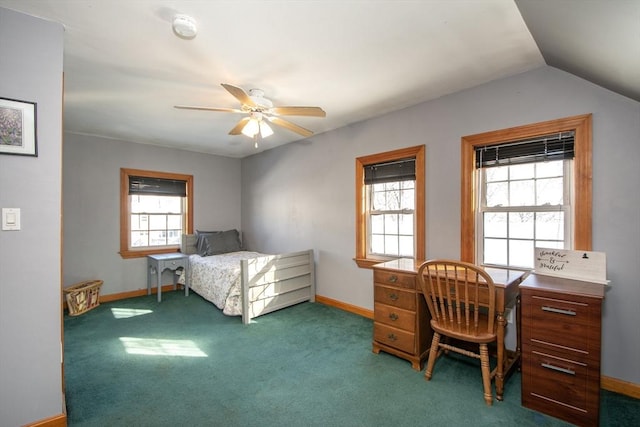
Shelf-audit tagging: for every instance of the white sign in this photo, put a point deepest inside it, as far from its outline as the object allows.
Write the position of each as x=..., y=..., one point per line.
x=578, y=265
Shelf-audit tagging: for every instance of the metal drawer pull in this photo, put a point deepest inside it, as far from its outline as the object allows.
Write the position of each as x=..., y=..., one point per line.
x=393, y=297
x=392, y=337
x=557, y=368
x=393, y=279
x=393, y=316
x=558, y=310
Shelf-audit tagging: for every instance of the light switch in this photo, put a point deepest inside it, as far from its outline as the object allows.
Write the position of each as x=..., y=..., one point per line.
x=11, y=218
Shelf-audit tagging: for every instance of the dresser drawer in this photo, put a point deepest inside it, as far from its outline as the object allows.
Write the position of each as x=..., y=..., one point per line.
x=394, y=316
x=559, y=322
x=394, y=296
x=556, y=381
x=394, y=337
x=394, y=279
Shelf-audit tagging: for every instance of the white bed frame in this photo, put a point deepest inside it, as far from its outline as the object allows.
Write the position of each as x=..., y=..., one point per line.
x=270, y=282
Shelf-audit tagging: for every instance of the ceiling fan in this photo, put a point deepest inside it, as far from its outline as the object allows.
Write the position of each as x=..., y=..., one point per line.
x=259, y=110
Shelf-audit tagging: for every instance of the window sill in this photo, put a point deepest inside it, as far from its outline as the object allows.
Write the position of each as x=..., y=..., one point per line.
x=370, y=262
x=144, y=252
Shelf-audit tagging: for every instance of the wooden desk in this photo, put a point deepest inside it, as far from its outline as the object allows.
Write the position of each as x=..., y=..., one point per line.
x=403, y=272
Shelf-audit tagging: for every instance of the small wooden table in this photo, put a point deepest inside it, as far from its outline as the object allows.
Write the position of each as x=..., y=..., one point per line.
x=507, y=296
x=156, y=264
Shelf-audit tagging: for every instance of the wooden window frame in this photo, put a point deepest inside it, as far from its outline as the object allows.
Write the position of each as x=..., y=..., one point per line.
x=417, y=152
x=125, y=221
x=582, y=177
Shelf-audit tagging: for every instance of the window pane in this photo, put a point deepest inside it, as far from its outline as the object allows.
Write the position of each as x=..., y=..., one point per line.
x=391, y=245
x=495, y=224
x=389, y=186
x=408, y=199
x=406, y=225
x=174, y=237
x=139, y=238
x=377, y=244
x=521, y=253
x=550, y=226
x=500, y=173
x=139, y=222
x=156, y=204
x=377, y=224
x=549, y=191
x=157, y=222
x=549, y=244
x=497, y=194
x=495, y=251
x=521, y=193
x=521, y=225
x=549, y=169
x=392, y=200
x=522, y=171
x=379, y=201
x=406, y=246
x=157, y=238
x=391, y=224
x=174, y=221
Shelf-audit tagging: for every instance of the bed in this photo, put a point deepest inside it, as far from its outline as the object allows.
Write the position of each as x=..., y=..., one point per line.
x=245, y=283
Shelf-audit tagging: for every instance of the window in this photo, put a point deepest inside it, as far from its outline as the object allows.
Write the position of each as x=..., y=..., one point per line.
x=525, y=199
x=390, y=206
x=155, y=210
x=526, y=187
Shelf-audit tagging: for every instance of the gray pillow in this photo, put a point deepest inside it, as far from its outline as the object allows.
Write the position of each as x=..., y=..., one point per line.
x=221, y=242
x=201, y=244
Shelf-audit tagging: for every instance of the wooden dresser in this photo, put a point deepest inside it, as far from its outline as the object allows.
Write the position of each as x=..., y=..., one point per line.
x=401, y=319
x=561, y=346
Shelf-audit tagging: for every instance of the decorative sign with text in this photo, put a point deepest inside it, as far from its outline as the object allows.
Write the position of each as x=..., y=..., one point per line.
x=578, y=265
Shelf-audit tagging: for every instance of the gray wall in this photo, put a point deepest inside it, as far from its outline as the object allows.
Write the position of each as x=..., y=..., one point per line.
x=91, y=201
x=30, y=310
x=302, y=195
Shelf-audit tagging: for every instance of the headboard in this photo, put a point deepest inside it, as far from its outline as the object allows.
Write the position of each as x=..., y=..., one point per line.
x=188, y=244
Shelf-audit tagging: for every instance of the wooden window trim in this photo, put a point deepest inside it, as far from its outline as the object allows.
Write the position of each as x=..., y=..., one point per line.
x=582, y=174
x=125, y=224
x=418, y=152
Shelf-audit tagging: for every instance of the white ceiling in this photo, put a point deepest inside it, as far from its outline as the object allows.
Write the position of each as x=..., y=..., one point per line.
x=125, y=69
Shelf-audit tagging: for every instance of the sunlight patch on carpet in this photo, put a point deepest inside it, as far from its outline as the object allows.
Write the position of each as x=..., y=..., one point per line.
x=124, y=313
x=160, y=347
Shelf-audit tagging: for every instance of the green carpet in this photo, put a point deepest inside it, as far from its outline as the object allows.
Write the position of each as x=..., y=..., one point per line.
x=183, y=363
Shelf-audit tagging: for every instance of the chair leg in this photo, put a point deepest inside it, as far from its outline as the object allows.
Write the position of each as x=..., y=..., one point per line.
x=433, y=355
x=486, y=374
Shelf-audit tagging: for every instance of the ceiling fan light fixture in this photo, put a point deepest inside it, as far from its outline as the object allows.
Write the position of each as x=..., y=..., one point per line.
x=185, y=27
x=251, y=129
x=265, y=129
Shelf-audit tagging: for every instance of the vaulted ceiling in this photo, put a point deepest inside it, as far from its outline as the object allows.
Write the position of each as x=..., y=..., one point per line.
x=125, y=68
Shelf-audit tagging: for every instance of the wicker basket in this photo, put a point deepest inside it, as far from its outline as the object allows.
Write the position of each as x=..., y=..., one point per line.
x=83, y=296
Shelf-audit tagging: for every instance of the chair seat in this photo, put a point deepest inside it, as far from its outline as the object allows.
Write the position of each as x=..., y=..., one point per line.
x=460, y=332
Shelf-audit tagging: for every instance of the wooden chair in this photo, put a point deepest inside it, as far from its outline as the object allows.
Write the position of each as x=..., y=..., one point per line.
x=461, y=300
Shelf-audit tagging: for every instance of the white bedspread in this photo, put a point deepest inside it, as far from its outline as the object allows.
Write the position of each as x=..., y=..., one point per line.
x=216, y=278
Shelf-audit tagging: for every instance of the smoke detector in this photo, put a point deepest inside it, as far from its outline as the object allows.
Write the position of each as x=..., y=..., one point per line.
x=185, y=26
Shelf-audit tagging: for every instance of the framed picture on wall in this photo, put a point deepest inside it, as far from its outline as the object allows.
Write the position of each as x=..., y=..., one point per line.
x=18, y=127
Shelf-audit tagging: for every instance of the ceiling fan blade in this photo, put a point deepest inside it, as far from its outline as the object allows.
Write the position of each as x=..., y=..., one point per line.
x=291, y=126
x=195, y=107
x=237, y=129
x=239, y=94
x=299, y=111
